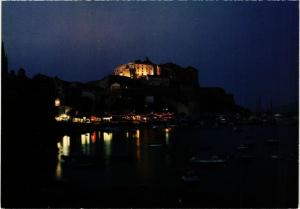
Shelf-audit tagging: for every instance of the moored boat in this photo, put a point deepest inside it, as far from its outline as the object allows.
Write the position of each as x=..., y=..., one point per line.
x=187, y=178
x=213, y=160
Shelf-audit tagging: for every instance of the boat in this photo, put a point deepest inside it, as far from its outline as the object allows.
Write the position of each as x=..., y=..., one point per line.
x=187, y=178
x=275, y=157
x=190, y=176
x=213, y=160
x=242, y=147
x=245, y=146
x=155, y=145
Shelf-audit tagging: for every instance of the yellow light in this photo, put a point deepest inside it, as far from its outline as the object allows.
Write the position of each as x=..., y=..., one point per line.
x=58, y=171
x=137, y=133
x=58, y=145
x=57, y=102
x=85, y=138
x=57, y=118
x=167, y=137
x=107, y=136
x=66, y=145
x=85, y=143
x=62, y=117
x=167, y=130
x=66, y=140
x=107, y=118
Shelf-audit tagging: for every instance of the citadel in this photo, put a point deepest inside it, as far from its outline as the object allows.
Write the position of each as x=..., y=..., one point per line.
x=133, y=89
x=143, y=87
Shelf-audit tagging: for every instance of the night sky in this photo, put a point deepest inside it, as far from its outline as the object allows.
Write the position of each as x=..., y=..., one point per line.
x=248, y=48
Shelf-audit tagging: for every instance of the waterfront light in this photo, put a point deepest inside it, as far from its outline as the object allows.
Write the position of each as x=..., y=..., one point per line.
x=93, y=137
x=85, y=143
x=138, y=149
x=93, y=118
x=108, y=119
x=66, y=145
x=167, y=136
x=85, y=138
x=62, y=117
x=57, y=102
x=137, y=134
x=138, y=143
x=167, y=130
x=58, y=145
x=77, y=120
x=58, y=170
x=107, y=136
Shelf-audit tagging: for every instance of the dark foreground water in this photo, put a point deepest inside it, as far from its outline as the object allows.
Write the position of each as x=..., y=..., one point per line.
x=144, y=168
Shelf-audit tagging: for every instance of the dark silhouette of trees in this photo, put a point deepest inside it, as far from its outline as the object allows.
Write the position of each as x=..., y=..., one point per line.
x=12, y=73
x=28, y=134
x=4, y=61
x=22, y=73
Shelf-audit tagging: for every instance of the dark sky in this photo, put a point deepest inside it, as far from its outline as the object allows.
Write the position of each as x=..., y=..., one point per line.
x=249, y=48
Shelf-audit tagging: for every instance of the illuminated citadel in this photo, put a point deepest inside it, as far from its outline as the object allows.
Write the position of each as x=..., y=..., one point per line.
x=138, y=69
x=142, y=88
x=151, y=74
x=136, y=89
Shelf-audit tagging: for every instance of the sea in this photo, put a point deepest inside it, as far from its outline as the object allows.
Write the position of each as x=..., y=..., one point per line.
x=153, y=167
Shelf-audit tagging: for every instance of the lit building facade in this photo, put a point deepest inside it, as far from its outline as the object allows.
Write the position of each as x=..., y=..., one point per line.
x=137, y=70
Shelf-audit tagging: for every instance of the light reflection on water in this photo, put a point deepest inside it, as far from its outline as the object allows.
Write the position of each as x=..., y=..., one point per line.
x=135, y=163
x=167, y=136
x=93, y=137
x=138, y=144
x=85, y=143
x=58, y=170
x=107, y=137
x=63, y=149
x=137, y=135
x=103, y=143
x=66, y=145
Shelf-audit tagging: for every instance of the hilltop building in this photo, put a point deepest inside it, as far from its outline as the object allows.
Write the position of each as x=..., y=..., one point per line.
x=143, y=87
x=168, y=74
x=138, y=69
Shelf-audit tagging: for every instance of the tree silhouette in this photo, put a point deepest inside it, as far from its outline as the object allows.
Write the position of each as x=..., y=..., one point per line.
x=21, y=73
x=12, y=73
